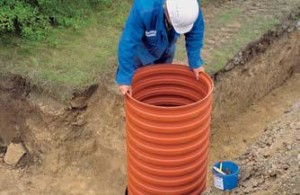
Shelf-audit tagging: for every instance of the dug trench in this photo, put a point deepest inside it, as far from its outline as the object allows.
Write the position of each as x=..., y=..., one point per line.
x=80, y=149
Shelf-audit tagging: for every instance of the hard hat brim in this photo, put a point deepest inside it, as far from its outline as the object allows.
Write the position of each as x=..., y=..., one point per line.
x=183, y=29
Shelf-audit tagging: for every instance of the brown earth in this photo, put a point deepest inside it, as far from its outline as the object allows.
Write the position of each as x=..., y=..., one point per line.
x=80, y=149
x=271, y=165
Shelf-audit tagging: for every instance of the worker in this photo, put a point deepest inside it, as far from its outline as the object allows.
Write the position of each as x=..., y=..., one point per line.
x=150, y=34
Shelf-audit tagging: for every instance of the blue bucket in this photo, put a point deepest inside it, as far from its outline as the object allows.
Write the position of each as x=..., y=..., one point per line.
x=228, y=181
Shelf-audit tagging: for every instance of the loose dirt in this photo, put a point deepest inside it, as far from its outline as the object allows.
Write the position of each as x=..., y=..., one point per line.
x=273, y=120
x=270, y=166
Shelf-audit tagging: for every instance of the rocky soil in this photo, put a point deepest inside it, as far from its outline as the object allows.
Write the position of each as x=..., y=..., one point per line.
x=272, y=164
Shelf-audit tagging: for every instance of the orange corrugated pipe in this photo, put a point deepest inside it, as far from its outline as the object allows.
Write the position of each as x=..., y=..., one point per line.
x=168, y=121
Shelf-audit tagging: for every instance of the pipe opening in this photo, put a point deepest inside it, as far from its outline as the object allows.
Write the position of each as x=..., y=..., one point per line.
x=169, y=86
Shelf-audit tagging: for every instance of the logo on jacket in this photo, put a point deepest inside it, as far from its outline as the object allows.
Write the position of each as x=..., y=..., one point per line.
x=151, y=33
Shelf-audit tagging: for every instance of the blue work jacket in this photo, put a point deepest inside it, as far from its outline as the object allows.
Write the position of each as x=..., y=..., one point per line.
x=145, y=39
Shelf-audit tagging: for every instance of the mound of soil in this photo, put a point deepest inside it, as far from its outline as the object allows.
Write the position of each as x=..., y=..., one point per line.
x=272, y=164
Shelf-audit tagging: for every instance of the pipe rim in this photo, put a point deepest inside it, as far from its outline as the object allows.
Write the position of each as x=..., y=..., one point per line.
x=208, y=80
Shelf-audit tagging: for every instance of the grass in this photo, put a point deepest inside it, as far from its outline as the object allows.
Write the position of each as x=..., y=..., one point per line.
x=69, y=59
x=215, y=2
x=72, y=59
x=222, y=19
x=227, y=16
x=249, y=31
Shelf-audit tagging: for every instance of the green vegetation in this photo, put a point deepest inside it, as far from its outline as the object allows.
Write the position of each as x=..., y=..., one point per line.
x=59, y=60
x=242, y=31
x=227, y=16
x=71, y=58
x=248, y=32
x=32, y=19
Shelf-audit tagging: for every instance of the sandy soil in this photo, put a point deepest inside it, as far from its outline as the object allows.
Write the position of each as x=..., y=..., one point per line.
x=265, y=131
x=271, y=164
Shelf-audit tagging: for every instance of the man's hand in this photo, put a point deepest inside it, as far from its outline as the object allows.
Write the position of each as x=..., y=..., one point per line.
x=197, y=71
x=124, y=89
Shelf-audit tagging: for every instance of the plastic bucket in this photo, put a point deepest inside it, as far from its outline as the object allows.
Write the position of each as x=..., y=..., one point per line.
x=228, y=181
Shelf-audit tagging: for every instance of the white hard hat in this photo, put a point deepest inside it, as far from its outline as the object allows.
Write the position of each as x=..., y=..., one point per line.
x=183, y=14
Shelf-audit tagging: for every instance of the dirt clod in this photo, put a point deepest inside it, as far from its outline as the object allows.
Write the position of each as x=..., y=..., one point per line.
x=298, y=25
x=14, y=153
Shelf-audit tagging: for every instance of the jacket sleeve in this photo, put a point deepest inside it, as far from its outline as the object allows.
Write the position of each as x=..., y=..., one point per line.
x=194, y=42
x=131, y=37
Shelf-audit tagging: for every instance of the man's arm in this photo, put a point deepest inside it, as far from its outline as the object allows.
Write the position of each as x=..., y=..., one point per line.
x=131, y=37
x=194, y=43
